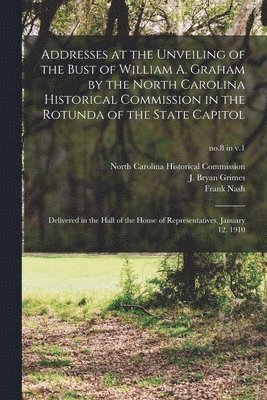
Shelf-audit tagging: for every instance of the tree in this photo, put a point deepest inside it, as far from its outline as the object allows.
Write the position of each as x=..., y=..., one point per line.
x=264, y=13
x=244, y=17
x=118, y=12
x=189, y=275
x=68, y=17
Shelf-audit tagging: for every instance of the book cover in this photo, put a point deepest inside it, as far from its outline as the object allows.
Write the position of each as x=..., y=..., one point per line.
x=144, y=269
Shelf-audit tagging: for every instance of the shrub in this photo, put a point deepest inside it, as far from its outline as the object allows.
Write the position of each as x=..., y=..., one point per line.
x=218, y=278
x=246, y=273
x=130, y=288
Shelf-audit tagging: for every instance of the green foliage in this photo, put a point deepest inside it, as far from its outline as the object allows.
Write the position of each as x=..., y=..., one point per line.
x=218, y=279
x=190, y=353
x=130, y=288
x=54, y=351
x=65, y=19
x=92, y=283
x=55, y=362
x=246, y=271
x=248, y=394
x=88, y=17
x=71, y=395
x=57, y=351
x=63, y=307
x=262, y=326
x=209, y=17
x=128, y=281
x=151, y=381
x=93, y=277
x=211, y=280
x=175, y=357
x=110, y=379
x=198, y=349
x=137, y=359
x=82, y=302
x=54, y=377
x=197, y=377
x=168, y=285
x=180, y=327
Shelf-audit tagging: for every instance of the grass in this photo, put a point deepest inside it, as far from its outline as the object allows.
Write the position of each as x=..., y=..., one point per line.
x=57, y=381
x=53, y=378
x=151, y=381
x=189, y=352
x=248, y=394
x=197, y=377
x=176, y=357
x=137, y=359
x=55, y=363
x=179, y=327
x=198, y=349
x=91, y=274
x=51, y=356
x=110, y=380
x=71, y=395
x=76, y=288
x=55, y=351
x=72, y=287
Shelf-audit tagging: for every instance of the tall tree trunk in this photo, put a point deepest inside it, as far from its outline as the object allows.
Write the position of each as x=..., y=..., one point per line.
x=175, y=11
x=189, y=275
x=118, y=12
x=243, y=17
x=264, y=13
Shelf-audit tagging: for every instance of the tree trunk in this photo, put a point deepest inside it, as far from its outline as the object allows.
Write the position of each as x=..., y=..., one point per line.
x=243, y=15
x=264, y=13
x=175, y=11
x=189, y=275
x=118, y=11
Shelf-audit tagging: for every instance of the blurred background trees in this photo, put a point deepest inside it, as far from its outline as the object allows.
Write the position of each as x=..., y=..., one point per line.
x=183, y=17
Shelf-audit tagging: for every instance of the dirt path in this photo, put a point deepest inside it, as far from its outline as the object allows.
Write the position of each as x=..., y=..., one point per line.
x=109, y=359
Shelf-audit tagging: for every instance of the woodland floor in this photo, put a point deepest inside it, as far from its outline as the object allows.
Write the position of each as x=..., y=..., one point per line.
x=132, y=357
